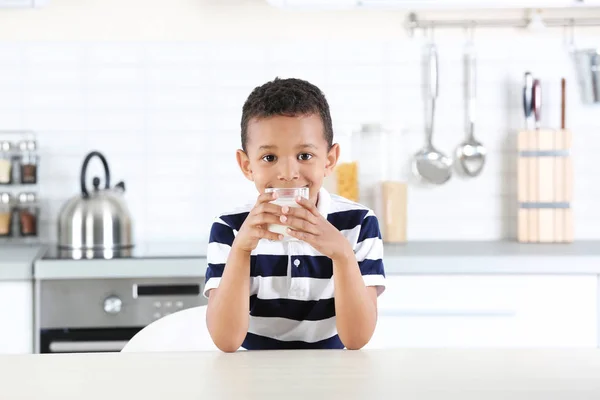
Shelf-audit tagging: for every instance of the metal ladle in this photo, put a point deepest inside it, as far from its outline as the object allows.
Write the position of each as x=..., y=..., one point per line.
x=471, y=154
x=429, y=163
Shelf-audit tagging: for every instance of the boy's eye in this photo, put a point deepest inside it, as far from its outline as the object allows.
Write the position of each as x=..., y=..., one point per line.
x=269, y=158
x=304, y=156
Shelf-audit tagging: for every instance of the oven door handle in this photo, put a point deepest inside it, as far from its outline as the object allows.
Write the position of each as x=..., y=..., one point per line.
x=84, y=346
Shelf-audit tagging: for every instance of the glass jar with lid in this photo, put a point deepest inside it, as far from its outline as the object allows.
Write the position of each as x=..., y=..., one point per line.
x=6, y=209
x=383, y=160
x=6, y=166
x=29, y=161
x=28, y=214
x=368, y=149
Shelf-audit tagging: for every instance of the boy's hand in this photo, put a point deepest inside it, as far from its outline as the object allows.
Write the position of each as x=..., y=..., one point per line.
x=255, y=227
x=308, y=225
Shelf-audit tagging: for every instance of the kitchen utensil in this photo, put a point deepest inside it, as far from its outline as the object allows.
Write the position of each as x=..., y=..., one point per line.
x=537, y=103
x=587, y=63
x=97, y=220
x=559, y=169
x=470, y=153
x=429, y=163
x=544, y=171
x=528, y=101
x=563, y=216
x=587, y=67
x=523, y=170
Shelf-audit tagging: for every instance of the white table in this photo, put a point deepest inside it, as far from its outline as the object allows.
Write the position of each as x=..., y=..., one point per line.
x=481, y=374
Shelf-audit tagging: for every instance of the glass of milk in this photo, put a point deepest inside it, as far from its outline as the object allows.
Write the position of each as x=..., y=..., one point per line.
x=286, y=197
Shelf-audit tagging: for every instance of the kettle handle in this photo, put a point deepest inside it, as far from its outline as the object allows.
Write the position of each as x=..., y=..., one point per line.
x=84, y=191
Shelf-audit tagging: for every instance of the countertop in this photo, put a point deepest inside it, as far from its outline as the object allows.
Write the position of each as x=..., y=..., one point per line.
x=493, y=257
x=424, y=374
x=459, y=257
x=16, y=261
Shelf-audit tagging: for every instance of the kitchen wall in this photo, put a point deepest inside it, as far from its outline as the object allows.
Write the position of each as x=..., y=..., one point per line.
x=159, y=91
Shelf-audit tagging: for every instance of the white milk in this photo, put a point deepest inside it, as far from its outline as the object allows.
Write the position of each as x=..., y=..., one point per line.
x=281, y=229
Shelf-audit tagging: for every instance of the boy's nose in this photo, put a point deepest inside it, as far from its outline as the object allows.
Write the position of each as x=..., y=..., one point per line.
x=288, y=171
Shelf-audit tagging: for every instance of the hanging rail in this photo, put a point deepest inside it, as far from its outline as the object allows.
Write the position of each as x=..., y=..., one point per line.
x=413, y=23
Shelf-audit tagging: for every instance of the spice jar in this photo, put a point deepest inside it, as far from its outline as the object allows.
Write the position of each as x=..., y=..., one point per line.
x=5, y=163
x=29, y=161
x=28, y=214
x=5, y=214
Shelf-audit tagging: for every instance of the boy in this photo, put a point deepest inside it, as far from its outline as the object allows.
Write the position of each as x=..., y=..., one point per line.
x=265, y=293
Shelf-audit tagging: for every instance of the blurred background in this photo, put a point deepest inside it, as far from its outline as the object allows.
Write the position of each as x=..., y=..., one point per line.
x=158, y=90
x=155, y=89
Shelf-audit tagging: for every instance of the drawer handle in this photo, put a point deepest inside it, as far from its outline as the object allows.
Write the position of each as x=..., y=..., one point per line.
x=445, y=313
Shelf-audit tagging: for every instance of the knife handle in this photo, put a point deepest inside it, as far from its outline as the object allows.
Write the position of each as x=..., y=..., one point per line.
x=537, y=101
x=527, y=99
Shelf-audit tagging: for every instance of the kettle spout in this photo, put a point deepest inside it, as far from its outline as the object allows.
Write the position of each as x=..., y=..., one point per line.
x=121, y=185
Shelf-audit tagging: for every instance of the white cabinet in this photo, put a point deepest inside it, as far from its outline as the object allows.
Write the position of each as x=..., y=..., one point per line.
x=16, y=317
x=488, y=311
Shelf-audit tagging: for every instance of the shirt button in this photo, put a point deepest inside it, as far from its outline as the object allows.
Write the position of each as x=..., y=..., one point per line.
x=296, y=262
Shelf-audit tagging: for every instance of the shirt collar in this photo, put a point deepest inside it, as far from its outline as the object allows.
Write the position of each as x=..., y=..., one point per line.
x=324, y=202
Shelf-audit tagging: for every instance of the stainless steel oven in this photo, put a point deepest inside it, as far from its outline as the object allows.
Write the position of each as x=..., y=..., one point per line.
x=101, y=315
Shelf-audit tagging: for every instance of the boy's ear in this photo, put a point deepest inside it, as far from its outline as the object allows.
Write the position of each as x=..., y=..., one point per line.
x=332, y=158
x=244, y=163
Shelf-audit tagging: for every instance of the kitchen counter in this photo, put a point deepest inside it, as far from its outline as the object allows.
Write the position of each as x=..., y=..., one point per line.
x=16, y=261
x=424, y=374
x=168, y=266
x=149, y=260
x=413, y=258
x=408, y=259
x=492, y=257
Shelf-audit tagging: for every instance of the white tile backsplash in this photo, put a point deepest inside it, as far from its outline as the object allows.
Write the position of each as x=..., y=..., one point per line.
x=167, y=116
x=115, y=54
x=52, y=99
x=12, y=76
x=114, y=76
x=53, y=54
x=52, y=77
x=61, y=120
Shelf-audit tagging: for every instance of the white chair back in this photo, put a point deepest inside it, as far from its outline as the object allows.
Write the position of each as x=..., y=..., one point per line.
x=181, y=331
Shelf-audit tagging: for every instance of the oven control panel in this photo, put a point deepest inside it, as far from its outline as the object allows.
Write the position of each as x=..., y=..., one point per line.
x=122, y=302
x=166, y=307
x=167, y=298
x=160, y=308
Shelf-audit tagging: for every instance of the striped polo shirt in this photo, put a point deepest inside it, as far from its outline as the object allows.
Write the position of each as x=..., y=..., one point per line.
x=292, y=302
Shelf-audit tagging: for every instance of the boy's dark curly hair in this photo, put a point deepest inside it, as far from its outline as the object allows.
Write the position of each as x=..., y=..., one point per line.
x=288, y=97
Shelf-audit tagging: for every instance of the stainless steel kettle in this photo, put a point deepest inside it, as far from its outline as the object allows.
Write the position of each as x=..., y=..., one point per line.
x=94, y=224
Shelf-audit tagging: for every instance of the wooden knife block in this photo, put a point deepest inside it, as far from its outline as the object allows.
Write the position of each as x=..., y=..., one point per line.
x=545, y=178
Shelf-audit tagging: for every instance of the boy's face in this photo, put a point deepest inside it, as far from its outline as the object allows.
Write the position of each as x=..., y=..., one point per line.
x=287, y=152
